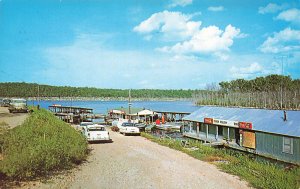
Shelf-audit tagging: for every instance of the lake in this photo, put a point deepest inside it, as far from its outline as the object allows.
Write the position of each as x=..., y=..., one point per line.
x=101, y=107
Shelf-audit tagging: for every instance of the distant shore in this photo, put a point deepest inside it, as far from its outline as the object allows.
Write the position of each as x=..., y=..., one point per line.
x=105, y=99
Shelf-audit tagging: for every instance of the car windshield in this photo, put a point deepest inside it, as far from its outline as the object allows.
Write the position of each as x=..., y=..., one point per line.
x=85, y=124
x=128, y=125
x=18, y=101
x=97, y=129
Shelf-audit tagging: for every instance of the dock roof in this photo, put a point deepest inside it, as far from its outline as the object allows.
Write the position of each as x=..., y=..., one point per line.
x=264, y=120
x=171, y=112
x=126, y=110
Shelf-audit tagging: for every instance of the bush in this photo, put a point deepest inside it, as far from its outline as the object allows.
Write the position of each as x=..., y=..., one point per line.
x=41, y=144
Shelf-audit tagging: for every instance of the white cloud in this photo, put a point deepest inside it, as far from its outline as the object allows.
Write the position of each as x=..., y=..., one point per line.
x=190, y=38
x=173, y=25
x=210, y=39
x=270, y=8
x=283, y=41
x=216, y=9
x=86, y=62
x=246, y=72
x=291, y=15
x=181, y=3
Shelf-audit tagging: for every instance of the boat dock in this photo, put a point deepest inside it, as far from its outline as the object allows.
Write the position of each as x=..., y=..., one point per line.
x=71, y=114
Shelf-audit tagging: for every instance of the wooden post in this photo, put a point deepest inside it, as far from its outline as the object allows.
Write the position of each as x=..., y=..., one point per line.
x=197, y=129
x=228, y=133
x=190, y=127
x=217, y=134
x=206, y=130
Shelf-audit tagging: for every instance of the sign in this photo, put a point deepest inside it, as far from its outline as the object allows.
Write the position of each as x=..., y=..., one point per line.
x=208, y=120
x=227, y=123
x=245, y=125
x=249, y=139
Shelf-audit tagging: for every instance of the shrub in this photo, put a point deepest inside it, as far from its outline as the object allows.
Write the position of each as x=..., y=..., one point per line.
x=41, y=144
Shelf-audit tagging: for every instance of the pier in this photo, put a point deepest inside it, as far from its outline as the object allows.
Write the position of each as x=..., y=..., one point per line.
x=71, y=114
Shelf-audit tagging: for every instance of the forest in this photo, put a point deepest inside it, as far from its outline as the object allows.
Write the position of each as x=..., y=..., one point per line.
x=271, y=92
x=26, y=90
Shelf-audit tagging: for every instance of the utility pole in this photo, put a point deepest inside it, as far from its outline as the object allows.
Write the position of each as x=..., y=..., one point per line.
x=38, y=96
x=282, y=58
x=129, y=105
x=129, y=102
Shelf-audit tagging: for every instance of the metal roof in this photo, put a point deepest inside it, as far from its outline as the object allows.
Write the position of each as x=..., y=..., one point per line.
x=132, y=110
x=264, y=120
x=171, y=112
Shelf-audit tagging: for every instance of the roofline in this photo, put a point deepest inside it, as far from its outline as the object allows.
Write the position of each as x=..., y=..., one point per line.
x=74, y=107
x=172, y=112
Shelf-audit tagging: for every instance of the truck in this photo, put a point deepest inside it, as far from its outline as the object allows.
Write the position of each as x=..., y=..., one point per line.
x=18, y=105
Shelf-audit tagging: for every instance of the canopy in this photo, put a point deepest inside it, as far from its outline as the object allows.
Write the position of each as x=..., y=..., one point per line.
x=145, y=112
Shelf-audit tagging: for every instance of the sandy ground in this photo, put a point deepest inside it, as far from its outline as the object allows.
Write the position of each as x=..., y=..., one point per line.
x=135, y=162
x=12, y=119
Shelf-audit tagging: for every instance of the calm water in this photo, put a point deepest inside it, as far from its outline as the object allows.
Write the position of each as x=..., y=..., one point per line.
x=101, y=107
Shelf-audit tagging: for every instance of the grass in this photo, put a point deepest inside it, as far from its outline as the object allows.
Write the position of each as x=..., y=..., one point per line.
x=42, y=144
x=260, y=174
x=3, y=127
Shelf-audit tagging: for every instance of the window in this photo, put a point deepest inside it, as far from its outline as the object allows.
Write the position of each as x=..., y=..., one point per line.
x=287, y=145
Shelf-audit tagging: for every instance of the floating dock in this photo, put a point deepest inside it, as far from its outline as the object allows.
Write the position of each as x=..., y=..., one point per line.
x=71, y=114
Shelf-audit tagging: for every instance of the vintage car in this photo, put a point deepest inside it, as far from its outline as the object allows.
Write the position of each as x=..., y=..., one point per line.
x=129, y=128
x=82, y=124
x=95, y=132
x=5, y=102
x=17, y=105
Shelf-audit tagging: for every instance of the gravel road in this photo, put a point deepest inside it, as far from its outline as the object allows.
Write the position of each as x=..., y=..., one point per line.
x=12, y=119
x=135, y=162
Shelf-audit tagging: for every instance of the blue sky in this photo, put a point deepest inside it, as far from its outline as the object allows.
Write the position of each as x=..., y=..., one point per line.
x=171, y=44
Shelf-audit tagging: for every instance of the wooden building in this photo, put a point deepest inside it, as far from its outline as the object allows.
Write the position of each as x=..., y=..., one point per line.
x=270, y=133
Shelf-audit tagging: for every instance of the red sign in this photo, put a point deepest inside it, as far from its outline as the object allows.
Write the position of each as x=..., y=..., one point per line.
x=245, y=125
x=208, y=120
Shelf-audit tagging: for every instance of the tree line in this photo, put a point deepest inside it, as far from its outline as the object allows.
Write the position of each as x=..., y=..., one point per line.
x=26, y=90
x=271, y=92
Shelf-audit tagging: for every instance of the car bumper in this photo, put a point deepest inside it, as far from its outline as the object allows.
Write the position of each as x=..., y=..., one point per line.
x=98, y=139
x=132, y=132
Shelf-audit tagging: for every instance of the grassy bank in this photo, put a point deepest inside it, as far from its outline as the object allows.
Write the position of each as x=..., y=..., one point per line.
x=260, y=174
x=40, y=145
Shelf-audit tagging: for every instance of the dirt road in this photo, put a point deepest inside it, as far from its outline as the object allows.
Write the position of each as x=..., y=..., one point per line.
x=12, y=119
x=135, y=162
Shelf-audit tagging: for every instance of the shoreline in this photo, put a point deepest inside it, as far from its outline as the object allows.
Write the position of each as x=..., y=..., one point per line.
x=103, y=99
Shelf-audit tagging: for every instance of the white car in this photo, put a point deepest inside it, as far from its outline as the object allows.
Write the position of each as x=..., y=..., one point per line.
x=95, y=133
x=129, y=128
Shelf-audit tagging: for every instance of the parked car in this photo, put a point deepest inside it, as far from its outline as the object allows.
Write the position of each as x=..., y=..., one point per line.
x=18, y=105
x=82, y=124
x=129, y=128
x=5, y=102
x=95, y=132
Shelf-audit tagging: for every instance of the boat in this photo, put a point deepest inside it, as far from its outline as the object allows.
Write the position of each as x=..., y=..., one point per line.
x=169, y=126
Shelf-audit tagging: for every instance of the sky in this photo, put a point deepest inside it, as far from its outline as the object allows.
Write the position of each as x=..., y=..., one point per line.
x=142, y=44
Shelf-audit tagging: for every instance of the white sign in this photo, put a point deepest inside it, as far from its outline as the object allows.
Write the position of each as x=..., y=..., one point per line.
x=228, y=123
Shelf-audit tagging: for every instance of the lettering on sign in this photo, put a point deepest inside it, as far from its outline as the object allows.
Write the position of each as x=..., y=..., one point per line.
x=228, y=123
x=245, y=125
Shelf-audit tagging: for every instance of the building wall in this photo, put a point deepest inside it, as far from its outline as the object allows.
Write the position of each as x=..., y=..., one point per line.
x=231, y=132
x=272, y=145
